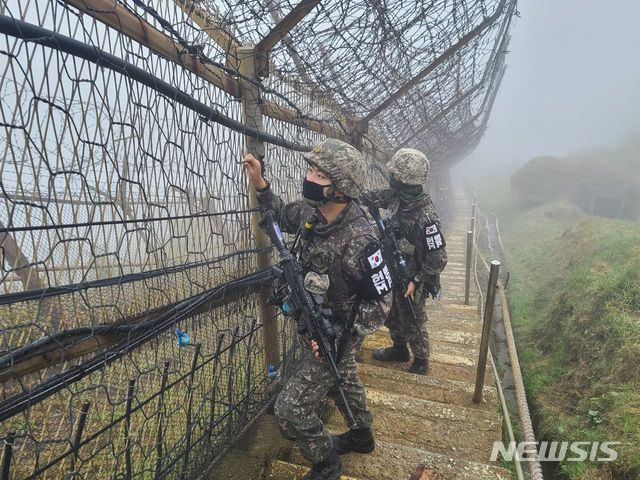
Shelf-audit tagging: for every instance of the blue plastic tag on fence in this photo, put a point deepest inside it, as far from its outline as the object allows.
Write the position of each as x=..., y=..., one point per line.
x=272, y=372
x=183, y=338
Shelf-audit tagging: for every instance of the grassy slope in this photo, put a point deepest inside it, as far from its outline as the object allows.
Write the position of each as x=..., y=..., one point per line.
x=575, y=298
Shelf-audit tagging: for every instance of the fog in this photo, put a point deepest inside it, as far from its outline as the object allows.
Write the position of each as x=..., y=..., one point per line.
x=572, y=84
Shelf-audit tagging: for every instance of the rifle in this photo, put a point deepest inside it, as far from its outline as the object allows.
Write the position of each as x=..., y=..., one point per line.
x=398, y=266
x=312, y=319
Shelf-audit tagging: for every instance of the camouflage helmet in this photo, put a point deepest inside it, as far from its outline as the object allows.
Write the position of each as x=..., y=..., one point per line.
x=409, y=166
x=342, y=163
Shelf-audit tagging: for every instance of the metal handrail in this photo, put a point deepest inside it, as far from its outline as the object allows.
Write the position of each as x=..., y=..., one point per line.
x=521, y=398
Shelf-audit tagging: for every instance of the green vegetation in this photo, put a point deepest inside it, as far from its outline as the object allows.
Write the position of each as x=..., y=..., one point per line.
x=575, y=299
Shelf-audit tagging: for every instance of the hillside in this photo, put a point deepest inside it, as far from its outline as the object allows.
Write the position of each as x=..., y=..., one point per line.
x=575, y=299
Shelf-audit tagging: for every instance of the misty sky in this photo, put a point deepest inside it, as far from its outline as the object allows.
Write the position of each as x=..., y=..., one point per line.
x=572, y=82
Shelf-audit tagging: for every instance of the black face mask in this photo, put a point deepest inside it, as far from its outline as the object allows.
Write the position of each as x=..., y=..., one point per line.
x=404, y=191
x=313, y=193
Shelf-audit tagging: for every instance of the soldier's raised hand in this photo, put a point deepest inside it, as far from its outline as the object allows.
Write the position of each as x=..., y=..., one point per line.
x=254, y=170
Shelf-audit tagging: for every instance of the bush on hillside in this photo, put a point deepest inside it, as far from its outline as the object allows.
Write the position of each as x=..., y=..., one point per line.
x=597, y=183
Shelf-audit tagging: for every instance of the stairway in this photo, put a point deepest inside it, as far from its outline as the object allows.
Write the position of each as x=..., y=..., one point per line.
x=427, y=420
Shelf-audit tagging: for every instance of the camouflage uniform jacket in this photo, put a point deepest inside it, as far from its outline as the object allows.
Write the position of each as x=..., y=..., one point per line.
x=338, y=250
x=417, y=229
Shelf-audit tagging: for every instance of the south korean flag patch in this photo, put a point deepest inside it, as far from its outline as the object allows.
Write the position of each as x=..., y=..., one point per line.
x=376, y=279
x=433, y=237
x=375, y=259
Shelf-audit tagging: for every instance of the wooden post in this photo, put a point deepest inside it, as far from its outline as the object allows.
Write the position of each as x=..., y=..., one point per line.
x=252, y=115
x=28, y=274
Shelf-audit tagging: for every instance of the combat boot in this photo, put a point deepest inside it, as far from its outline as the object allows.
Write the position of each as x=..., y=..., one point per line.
x=328, y=469
x=419, y=366
x=396, y=353
x=358, y=440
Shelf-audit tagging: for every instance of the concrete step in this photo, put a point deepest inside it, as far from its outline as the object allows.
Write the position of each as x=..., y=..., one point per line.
x=455, y=308
x=391, y=461
x=439, y=352
x=441, y=366
x=444, y=352
x=281, y=470
x=437, y=334
x=427, y=425
x=440, y=320
x=426, y=387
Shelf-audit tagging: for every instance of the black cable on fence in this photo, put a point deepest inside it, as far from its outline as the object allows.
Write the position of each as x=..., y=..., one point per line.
x=78, y=334
x=174, y=314
x=102, y=223
x=41, y=36
x=40, y=293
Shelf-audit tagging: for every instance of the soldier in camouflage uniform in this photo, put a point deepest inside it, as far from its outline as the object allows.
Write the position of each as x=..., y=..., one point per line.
x=343, y=247
x=418, y=231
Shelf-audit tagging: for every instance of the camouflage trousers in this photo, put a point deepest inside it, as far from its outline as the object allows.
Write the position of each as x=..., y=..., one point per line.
x=297, y=405
x=404, y=329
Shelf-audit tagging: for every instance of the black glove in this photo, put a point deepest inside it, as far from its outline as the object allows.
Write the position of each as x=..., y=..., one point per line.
x=432, y=285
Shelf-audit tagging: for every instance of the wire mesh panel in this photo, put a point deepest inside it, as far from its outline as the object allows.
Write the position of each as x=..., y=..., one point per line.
x=131, y=315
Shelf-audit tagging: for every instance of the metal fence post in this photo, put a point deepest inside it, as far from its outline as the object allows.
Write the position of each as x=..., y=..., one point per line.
x=77, y=438
x=189, y=432
x=486, y=329
x=214, y=389
x=230, y=380
x=467, y=277
x=246, y=58
x=6, y=456
x=127, y=430
x=160, y=432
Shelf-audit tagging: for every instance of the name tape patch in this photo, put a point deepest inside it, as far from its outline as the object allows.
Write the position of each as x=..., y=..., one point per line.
x=376, y=280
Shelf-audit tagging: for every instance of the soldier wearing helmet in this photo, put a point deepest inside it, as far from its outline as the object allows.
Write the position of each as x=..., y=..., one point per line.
x=342, y=248
x=412, y=217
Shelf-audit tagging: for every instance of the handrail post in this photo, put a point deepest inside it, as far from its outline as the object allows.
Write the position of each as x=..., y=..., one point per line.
x=472, y=227
x=467, y=277
x=474, y=206
x=486, y=329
